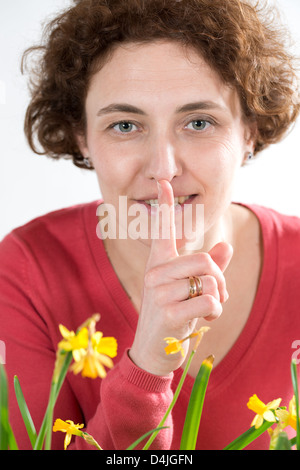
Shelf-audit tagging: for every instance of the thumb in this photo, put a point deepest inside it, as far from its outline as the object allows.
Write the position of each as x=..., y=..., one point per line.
x=222, y=253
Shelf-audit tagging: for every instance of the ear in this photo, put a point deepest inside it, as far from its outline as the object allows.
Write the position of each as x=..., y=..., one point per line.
x=82, y=144
x=250, y=136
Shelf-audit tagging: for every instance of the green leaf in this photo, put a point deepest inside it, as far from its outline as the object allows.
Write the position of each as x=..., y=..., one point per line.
x=12, y=444
x=46, y=427
x=30, y=428
x=296, y=393
x=194, y=411
x=140, y=439
x=176, y=394
x=7, y=438
x=283, y=442
x=4, y=424
x=249, y=436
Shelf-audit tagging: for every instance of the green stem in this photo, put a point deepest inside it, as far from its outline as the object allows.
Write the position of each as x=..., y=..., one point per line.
x=194, y=411
x=30, y=428
x=4, y=422
x=49, y=419
x=176, y=394
x=296, y=393
x=140, y=439
x=247, y=437
x=46, y=427
x=7, y=438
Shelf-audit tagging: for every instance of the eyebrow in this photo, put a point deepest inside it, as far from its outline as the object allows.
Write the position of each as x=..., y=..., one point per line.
x=189, y=107
x=120, y=107
x=199, y=105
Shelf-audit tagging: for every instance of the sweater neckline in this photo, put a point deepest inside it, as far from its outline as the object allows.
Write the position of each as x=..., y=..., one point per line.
x=118, y=294
x=241, y=350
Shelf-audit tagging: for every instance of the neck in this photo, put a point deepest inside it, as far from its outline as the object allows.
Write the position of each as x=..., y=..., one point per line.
x=134, y=253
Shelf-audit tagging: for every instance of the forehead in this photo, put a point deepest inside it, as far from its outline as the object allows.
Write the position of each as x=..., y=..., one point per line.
x=157, y=73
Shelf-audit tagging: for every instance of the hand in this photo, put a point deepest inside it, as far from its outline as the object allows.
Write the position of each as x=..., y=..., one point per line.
x=166, y=310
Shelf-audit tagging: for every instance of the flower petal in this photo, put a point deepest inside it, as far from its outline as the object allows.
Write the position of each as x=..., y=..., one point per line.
x=108, y=346
x=274, y=404
x=65, y=332
x=78, y=354
x=258, y=421
x=67, y=440
x=269, y=416
x=96, y=338
x=60, y=425
x=105, y=360
x=256, y=405
x=101, y=372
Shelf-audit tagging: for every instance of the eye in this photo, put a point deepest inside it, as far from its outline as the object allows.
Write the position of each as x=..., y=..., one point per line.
x=124, y=127
x=198, y=125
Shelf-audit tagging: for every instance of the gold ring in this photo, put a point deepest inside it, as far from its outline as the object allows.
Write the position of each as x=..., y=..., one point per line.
x=193, y=288
x=199, y=285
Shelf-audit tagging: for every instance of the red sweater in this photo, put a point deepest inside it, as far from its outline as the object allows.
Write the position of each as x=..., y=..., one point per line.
x=55, y=270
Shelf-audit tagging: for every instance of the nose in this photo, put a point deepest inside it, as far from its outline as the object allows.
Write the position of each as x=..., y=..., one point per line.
x=162, y=158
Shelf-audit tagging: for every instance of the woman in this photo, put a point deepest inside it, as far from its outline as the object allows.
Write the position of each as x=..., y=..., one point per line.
x=165, y=100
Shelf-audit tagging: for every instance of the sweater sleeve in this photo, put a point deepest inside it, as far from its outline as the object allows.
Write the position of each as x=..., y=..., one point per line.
x=131, y=401
x=30, y=354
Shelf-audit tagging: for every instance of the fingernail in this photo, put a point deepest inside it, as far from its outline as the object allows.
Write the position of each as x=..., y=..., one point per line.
x=226, y=296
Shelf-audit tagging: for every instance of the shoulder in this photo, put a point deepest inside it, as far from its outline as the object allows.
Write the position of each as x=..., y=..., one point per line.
x=60, y=227
x=285, y=225
x=281, y=233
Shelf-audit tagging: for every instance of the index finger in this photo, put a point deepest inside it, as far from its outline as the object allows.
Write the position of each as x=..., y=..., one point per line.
x=163, y=245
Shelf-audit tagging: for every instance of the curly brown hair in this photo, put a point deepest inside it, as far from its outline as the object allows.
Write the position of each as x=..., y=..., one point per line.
x=240, y=41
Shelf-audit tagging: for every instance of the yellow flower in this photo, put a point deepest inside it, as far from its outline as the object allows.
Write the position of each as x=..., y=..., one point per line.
x=263, y=412
x=72, y=341
x=175, y=345
x=69, y=428
x=91, y=362
x=288, y=418
x=90, y=350
x=104, y=345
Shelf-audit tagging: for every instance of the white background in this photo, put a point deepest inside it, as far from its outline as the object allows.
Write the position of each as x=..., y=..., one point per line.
x=32, y=185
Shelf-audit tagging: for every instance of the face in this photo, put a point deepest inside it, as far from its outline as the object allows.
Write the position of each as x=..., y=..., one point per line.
x=156, y=112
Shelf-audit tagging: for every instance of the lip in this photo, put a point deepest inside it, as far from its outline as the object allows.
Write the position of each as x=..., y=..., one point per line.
x=178, y=207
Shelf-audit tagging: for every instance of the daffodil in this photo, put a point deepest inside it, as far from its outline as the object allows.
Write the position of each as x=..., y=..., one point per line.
x=104, y=345
x=288, y=417
x=91, y=364
x=72, y=341
x=175, y=345
x=69, y=428
x=92, y=361
x=72, y=429
x=263, y=411
x=91, y=351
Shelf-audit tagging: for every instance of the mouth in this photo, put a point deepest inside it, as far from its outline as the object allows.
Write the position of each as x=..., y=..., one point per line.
x=179, y=202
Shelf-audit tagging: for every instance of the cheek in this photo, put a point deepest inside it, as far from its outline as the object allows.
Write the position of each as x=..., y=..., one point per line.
x=218, y=159
x=112, y=167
